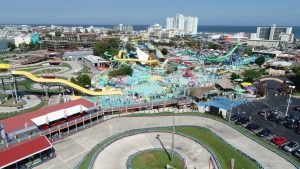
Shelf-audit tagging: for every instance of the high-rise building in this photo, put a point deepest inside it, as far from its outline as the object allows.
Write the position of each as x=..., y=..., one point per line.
x=274, y=33
x=187, y=25
x=191, y=25
x=170, y=23
x=180, y=21
x=123, y=28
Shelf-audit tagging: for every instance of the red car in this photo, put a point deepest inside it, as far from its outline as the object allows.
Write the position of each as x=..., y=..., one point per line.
x=279, y=140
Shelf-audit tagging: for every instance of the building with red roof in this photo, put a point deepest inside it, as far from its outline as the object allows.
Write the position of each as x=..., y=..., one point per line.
x=24, y=121
x=26, y=154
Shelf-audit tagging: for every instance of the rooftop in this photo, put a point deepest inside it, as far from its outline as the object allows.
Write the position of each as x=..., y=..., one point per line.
x=23, y=151
x=19, y=122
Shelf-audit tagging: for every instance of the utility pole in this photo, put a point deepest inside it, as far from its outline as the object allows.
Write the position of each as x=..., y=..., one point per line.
x=173, y=133
x=289, y=100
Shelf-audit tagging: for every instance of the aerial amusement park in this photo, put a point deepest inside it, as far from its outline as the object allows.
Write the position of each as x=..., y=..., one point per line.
x=157, y=77
x=154, y=76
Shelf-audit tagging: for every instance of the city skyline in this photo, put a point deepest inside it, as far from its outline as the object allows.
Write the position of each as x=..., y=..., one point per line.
x=91, y=12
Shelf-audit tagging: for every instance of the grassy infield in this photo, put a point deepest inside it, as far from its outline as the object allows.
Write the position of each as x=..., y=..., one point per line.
x=155, y=159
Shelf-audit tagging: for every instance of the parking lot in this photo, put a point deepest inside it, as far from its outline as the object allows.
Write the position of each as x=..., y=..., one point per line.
x=251, y=110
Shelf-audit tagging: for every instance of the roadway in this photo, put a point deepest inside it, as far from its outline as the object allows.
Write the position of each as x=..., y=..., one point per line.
x=73, y=148
x=271, y=101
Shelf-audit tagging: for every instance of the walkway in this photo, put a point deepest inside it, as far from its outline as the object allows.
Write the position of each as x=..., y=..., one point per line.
x=72, y=149
x=32, y=102
x=119, y=151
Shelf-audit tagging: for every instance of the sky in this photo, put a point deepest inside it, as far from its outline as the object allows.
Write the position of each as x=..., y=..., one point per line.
x=145, y=12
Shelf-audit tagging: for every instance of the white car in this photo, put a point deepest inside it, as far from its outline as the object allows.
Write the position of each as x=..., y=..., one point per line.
x=291, y=146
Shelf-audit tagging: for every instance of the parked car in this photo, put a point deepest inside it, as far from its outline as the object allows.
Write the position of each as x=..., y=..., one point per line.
x=297, y=154
x=281, y=121
x=290, y=123
x=264, y=133
x=20, y=107
x=291, y=146
x=253, y=127
x=297, y=108
x=274, y=111
x=243, y=121
x=263, y=114
x=272, y=117
x=279, y=140
x=234, y=118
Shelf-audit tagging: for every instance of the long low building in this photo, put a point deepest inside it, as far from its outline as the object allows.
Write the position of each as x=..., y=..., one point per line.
x=94, y=61
x=36, y=120
x=27, y=154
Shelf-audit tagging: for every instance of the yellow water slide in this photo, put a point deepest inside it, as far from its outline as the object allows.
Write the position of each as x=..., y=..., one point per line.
x=65, y=82
x=121, y=58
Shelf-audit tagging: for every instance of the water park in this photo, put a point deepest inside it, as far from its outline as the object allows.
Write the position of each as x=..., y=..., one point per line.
x=155, y=77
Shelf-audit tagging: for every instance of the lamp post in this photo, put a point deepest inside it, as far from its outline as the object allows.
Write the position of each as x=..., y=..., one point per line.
x=289, y=100
x=234, y=83
x=173, y=133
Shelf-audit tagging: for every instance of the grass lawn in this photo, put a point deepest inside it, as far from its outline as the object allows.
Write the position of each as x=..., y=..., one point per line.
x=156, y=159
x=296, y=93
x=47, y=71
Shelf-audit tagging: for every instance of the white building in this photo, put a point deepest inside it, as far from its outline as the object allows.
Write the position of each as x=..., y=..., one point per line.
x=170, y=23
x=283, y=34
x=180, y=21
x=187, y=25
x=191, y=25
x=22, y=39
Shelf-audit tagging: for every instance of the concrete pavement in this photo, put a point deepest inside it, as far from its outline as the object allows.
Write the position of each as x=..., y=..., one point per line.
x=32, y=102
x=119, y=151
x=72, y=149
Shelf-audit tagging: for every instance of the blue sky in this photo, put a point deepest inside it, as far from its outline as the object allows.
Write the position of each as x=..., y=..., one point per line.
x=143, y=12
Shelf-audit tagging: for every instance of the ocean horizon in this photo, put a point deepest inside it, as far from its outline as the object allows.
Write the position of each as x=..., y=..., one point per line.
x=201, y=28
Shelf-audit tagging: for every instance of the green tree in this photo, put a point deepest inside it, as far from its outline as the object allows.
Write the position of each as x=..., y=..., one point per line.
x=99, y=49
x=11, y=46
x=261, y=90
x=73, y=80
x=83, y=80
x=129, y=47
x=124, y=70
x=251, y=75
x=57, y=34
x=112, y=46
x=32, y=46
x=248, y=51
x=260, y=60
x=214, y=46
x=235, y=76
x=164, y=51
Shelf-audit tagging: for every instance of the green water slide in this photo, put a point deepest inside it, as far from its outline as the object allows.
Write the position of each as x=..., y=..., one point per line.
x=222, y=58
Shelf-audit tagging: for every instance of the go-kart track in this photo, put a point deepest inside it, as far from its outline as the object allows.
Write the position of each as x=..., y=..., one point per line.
x=71, y=150
x=196, y=155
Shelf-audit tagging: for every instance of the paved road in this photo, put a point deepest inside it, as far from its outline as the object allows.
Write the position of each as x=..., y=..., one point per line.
x=271, y=101
x=32, y=102
x=119, y=151
x=72, y=149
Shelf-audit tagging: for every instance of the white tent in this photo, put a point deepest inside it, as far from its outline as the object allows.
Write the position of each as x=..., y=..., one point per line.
x=59, y=114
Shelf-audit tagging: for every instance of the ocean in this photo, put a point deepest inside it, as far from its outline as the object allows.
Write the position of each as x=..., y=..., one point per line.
x=218, y=29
